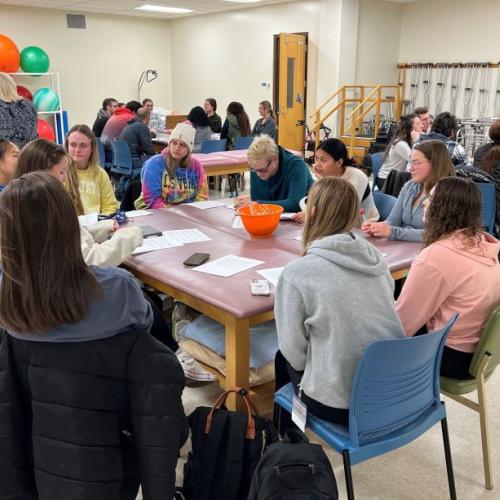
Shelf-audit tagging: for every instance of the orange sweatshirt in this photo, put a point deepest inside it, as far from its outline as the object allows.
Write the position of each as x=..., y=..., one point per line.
x=447, y=278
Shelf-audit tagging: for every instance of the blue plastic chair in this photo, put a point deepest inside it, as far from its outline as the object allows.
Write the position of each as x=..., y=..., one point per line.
x=213, y=146
x=395, y=398
x=384, y=203
x=102, y=155
x=122, y=160
x=377, y=162
x=488, y=205
x=243, y=142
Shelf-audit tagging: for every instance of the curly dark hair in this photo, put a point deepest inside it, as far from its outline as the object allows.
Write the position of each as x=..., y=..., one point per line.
x=198, y=117
x=455, y=205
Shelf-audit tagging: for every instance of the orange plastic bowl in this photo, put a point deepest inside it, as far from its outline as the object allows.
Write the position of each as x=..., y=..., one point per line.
x=261, y=219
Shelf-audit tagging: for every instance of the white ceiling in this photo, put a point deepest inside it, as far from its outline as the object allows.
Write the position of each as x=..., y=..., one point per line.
x=127, y=7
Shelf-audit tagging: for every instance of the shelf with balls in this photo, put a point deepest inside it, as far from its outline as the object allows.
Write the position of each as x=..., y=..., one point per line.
x=34, y=62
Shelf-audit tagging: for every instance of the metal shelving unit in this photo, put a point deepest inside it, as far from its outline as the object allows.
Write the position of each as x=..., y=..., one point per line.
x=27, y=79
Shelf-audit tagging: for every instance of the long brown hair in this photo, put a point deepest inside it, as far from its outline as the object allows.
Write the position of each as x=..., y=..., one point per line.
x=435, y=152
x=40, y=154
x=45, y=280
x=455, y=206
x=492, y=157
x=72, y=168
x=237, y=109
x=332, y=208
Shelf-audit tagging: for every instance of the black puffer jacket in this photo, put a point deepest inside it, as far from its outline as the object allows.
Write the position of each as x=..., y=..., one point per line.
x=89, y=420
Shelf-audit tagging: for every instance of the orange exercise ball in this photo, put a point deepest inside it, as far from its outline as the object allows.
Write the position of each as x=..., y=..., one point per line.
x=9, y=55
x=45, y=130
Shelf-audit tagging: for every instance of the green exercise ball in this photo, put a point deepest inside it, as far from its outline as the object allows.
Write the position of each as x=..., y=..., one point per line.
x=34, y=60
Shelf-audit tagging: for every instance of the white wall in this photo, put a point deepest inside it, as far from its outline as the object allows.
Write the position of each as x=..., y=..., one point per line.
x=452, y=31
x=105, y=60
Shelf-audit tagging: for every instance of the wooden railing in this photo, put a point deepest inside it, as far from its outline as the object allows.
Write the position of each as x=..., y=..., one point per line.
x=367, y=98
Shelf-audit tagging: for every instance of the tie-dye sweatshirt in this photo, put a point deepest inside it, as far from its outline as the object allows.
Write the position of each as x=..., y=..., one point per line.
x=160, y=189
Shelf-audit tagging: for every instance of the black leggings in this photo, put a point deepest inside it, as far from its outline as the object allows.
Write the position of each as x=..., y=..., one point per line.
x=160, y=329
x=454, y=364
x=285, y=374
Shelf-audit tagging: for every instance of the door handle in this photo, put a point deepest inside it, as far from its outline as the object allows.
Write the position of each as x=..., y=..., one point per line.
x=300, y=123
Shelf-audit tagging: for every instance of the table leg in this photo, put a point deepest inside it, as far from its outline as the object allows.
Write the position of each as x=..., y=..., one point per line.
x=237, y=358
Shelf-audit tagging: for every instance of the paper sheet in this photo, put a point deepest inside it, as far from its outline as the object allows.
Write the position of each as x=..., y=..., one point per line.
x=298, y=238
x=156, y=243
x=203, y=205
x=287, y=216
x=237, y=224
x=228, y=266
x=182, y=236
x=87, y=220
x=272, y=274
x=137, y=213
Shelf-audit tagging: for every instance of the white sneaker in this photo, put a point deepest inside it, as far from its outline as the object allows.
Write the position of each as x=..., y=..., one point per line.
x=192, y=369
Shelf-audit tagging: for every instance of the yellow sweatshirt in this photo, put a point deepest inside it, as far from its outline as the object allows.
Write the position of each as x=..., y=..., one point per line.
x=96, y=192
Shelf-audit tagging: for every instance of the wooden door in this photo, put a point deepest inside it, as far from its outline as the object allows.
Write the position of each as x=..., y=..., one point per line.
x=292, y=90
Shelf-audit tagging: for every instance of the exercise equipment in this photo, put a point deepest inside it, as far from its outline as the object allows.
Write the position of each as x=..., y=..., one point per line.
x=24, y=92
x=34, y=60
x=45, y=99
x=45, y=130
x=9, y=55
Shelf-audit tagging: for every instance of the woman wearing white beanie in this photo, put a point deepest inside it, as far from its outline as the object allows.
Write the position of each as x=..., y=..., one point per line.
x=174, y=176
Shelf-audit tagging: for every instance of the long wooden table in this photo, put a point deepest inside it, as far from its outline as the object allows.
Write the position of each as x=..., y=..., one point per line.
x=228, y=300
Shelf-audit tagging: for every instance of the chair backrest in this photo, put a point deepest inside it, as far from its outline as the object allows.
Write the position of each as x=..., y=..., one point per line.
x=213, y=146
x=377, y=161
x=122, y=158
x=384, y=203
x=243, y=142
x=396, y=381
x=100, y=152
x=489, y=343
x=488, y=205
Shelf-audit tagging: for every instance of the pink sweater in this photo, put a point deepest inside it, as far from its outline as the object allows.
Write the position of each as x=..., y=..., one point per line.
x=447, y=278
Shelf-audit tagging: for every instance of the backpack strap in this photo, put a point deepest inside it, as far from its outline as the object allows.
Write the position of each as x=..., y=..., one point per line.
x=208, y=461
x=235, y=457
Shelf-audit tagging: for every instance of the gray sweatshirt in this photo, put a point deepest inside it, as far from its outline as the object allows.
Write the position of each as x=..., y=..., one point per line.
x=120, y=307
x=330, y=304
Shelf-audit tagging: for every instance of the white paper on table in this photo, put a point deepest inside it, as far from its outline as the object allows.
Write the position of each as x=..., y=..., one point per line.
x=228, y=266
x=203, y=205
x=298, y=238
x=182, y=236
x=272, y=274
x=137, y=213
x=237, y=224
x=156, y=243
x=230, y=205
x=287, y=215
x=88, y=219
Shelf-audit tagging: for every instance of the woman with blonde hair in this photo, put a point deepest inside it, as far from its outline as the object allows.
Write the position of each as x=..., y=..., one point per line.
x=429, y=163
x=88, y=183
x=322, y=319
x=102, y=243
x=266, y=124
x=18, y=118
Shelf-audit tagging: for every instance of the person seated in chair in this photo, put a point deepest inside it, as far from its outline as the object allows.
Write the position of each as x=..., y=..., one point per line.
x=323, y=320
x=277, y=176
x=109, y=106
x=136, y=134
x=457, y=272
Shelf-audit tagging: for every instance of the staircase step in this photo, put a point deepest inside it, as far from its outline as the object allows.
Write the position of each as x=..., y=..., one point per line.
x=359, y=141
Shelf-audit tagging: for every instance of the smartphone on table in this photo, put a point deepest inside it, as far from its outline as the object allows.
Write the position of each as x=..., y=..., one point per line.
x=196, y=259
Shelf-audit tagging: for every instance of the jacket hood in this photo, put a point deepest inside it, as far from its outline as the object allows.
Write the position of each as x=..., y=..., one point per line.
x=123, y=111
x=133, y=120
x=434, y=135
x=351, y=251
x=486, y=253
x=102, y=113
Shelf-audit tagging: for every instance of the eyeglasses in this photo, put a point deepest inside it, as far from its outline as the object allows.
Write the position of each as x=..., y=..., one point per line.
x=417, y=163
x=262, y=170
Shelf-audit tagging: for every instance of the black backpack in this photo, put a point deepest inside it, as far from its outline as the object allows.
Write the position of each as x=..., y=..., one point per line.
x=294, y=470
x=226, y=447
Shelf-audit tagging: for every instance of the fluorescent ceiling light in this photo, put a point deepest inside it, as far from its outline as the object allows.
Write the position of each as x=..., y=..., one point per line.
x=243, y=1
x=161, y=8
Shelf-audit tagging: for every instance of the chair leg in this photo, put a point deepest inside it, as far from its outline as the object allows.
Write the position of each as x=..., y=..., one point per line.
x=483, y=421
x=348, y=475
x=449, y=463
